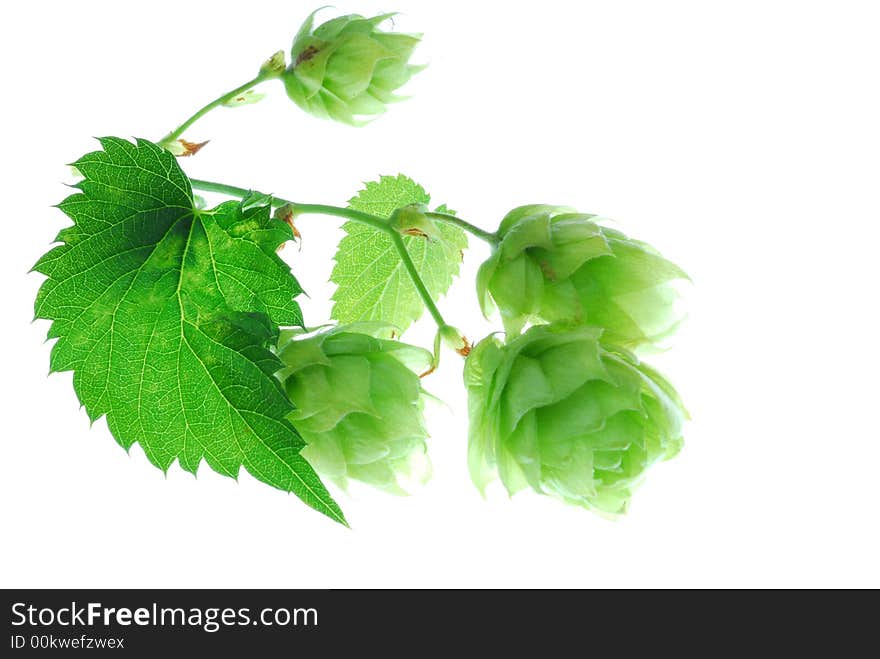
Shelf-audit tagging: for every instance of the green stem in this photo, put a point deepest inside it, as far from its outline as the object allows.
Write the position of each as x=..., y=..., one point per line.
x=348, y=213
x=374, y=221
x=300, y=209
x=222, y=188
x=217, y=102
x=403, y=252
x=490, y=238
x=364, y=218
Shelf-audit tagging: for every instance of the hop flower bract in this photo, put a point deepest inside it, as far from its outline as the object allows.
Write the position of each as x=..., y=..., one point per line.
x=553, y=264
x=359, y=405
x=347, y=69
x=556, y=411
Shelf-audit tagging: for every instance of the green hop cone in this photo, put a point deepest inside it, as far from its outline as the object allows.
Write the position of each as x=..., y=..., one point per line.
x=347, y=69
x=557, y=411
x=552, y=264
x=359, y=404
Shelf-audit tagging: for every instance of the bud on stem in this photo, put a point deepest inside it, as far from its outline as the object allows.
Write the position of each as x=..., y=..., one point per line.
x=454, y=339
x=412, y=220
x=275, y=65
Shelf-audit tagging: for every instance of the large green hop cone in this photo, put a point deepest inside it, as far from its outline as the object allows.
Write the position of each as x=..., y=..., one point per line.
x=556, y=411
x=359, y=405
x=347, y=69
x=556, y=265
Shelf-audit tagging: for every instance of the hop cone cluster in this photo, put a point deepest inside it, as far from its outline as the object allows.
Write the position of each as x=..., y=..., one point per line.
x=359, y=405
x=556, y=265
x=347, y=69
x=557, y=411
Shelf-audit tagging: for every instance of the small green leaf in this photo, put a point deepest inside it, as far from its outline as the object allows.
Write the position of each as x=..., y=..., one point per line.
x=372, y=283
x=165, y=314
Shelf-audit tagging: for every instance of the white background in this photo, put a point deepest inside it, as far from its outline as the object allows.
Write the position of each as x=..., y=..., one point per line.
x=741, y=138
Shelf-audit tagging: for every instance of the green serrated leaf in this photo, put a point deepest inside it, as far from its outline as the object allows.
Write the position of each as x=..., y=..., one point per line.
x=372, y=283
x=165, y=313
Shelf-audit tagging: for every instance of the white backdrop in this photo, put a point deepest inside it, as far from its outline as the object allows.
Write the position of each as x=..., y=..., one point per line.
x=741, y=138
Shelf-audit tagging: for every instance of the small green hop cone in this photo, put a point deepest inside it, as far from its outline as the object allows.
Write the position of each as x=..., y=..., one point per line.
x=359, y=404
x=348, y=69
x=556, y=411
x=553, y=264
